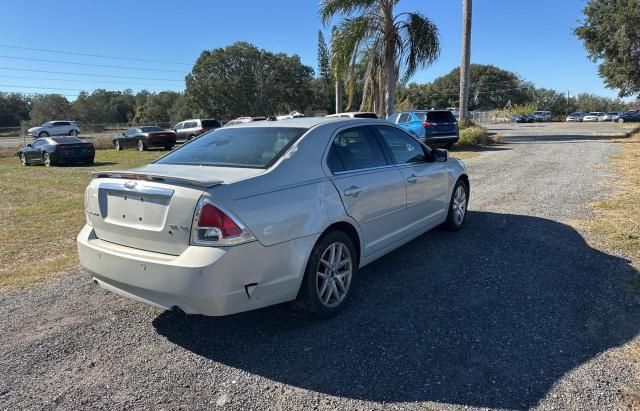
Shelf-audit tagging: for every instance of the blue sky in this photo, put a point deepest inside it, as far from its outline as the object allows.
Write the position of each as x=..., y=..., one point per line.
x=533, y=39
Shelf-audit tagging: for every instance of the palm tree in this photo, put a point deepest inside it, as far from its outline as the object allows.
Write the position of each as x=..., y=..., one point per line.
x=465, y=70
x=391, y=44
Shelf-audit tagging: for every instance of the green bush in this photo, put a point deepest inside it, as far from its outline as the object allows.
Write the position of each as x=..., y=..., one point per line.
x=466, y=123
x=474, y=136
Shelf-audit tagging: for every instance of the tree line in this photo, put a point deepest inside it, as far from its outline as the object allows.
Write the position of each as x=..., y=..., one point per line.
x=243, y=80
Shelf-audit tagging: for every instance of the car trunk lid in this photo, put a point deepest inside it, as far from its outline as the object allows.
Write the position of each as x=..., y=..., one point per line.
x=152, y=208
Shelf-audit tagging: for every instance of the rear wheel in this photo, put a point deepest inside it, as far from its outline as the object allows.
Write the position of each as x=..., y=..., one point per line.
x=141, y=146
x=328, y=279
x=23, y=160
x=457, y=207
x=46, y=159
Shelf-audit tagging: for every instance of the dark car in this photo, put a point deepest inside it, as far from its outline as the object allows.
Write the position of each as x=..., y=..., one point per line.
x=52, y=151
x=523, y=119
x=629, y=116
x=145, y=137
x=189, y=129
x=433, y=127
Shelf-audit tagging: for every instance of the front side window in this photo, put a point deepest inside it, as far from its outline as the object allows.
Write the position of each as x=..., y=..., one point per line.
x=355, y=149
x=404, y=148
x=39, y=143
x=178, y=126
x=247, y=147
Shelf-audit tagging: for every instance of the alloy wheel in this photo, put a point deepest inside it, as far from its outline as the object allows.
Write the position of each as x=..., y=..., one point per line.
x=333, y=276
x=47, y=160
x=140, y=145
x=23, y=159
x=459, y=204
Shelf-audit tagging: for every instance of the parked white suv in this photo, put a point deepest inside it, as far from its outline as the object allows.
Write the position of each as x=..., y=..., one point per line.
x=55, y=128
x=594, y=116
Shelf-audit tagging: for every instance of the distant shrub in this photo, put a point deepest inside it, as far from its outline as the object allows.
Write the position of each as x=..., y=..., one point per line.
x=474, y=136
x=466, y=123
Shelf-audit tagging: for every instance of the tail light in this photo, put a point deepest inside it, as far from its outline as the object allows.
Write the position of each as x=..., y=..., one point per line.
x=427, y=124
x=214, y=225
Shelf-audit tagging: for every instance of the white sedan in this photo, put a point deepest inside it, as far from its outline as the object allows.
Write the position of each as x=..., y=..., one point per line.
x=594, y=116
x=267, y=212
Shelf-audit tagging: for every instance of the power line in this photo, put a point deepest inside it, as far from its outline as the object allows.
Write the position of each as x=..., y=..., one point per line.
x=90, y=64
x=75, y=53
x=89, y=74
x=100, y=81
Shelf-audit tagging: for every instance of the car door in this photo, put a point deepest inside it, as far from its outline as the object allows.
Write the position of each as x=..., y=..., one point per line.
x=427, y=182
x=371, y=189
x=56, y=128
x=130, y=137
x=405, y=121
x=178, y=129
x=34, y=155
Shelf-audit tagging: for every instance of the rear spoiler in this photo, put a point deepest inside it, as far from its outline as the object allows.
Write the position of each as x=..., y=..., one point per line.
x=156, y=177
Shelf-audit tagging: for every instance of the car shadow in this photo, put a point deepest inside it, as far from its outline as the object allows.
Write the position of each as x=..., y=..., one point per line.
x=490, y=316
x=565, y=138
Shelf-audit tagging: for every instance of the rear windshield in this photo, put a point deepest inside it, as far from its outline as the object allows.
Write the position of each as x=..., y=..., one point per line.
x=436, y=116
x=151, y=128
x=211, y=124
x=66, y=140
x=249, y=147
x=365, y=115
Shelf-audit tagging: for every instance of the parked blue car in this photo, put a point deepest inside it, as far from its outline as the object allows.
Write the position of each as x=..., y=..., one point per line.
x=629, y=116
x=433, y=127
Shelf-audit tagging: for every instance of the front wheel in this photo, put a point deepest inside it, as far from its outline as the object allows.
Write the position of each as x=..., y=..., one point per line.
x=117, y=146
x=620, y=120
x=457, y=207
x=73, y=133
x=43, y=134
x=448, y=146
x=328, y=279
x=168, y=147
x=141, y=146
x=23, y=160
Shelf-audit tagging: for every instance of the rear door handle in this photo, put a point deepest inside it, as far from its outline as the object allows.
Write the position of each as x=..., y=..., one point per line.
x=412, y=179
x=352, y=191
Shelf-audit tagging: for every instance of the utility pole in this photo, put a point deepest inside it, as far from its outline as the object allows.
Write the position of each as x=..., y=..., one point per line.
x=465, y=69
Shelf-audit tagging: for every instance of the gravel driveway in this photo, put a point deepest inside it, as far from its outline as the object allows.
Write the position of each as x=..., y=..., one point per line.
x=514, y=311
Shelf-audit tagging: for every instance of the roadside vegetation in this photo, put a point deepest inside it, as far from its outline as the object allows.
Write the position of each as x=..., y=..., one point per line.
x=616, y=226
x=41, y=210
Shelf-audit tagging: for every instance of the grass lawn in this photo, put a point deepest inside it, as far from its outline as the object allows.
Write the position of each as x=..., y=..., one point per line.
x=41, y=210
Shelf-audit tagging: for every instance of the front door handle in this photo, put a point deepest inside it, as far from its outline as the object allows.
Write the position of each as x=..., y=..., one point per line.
x=352, y=191
x=412, y=179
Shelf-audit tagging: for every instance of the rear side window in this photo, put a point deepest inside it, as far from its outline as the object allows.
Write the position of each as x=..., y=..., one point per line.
x=365, y=115
x=404, y=118
x=190, y=124
x=440, y=117
x=355, y=149
x=247, y=147
x=211, y=124
x=66, y=140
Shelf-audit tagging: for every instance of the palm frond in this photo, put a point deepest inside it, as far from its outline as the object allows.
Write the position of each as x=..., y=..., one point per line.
x=344, y=42
x=420, y=45
x=330, y=8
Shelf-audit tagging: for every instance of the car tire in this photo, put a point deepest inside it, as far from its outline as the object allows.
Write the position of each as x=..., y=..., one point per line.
x=168, y=147
x=448, y=146
x=23, y=160
x=116, y=145
x=620, y=120
x=46, y=159
x=457, y=207
x=141, y=146
x=73, y=133
x=329, y=277
x=43, y=134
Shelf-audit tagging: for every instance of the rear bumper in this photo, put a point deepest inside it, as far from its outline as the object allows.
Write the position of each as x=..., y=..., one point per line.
x=442, y=139
x=202, y=280
x=72, y=157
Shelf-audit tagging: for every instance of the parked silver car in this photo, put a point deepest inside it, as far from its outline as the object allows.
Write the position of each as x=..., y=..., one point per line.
x=54, y=128
x=267, y=212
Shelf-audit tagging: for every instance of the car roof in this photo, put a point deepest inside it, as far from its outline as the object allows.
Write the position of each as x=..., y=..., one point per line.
x=309, y=122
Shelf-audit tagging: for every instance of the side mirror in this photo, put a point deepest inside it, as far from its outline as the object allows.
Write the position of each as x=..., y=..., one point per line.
x=29, y=145
x=440, y=155
x=122, y=134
